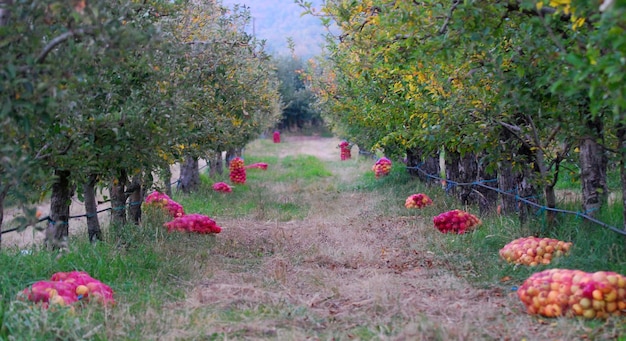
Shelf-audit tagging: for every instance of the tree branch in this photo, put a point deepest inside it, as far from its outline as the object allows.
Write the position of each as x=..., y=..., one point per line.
x=444, y=27
x=60, y=39
x=515, y=130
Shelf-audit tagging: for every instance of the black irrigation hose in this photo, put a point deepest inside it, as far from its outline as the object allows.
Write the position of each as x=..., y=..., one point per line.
x=87, y=215
x=73, y=217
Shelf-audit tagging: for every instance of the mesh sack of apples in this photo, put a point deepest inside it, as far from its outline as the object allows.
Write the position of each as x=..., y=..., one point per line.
x=237, y=171
x=344, y=148
x=418, y=200
x=161, y=199
x=222, y=187
x=65, y=288
x=195, y=222
x=382, y=167
x=533, y=250
x=456, y=221
x=563, y=292
x=259, y=165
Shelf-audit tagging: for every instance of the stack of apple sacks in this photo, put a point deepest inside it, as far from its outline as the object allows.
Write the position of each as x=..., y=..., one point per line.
x=382, y=167
x=344, y=147
x=163, y=200
x=66, y=288
x=456, y=221
x=197, y=223
x=418, y=200
x=259, y=165
x=237, y=171
x=562, y=292
x=222, y=187
x=534, y=251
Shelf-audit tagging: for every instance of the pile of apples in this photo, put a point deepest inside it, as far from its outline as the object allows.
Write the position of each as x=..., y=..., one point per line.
x=418, y=200
x=161, y=199
x=533, y=250
x=194, y=222
x=562, y=292
x=222, y=187
x=237, y=171
x=456, y=221
x=259, y=165
x=65, y=288
x=382, y=167
x=346, y=153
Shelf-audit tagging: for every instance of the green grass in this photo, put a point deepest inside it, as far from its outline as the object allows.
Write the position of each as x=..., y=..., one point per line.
x=253, y=198
x=141, y=273
x=569, y=178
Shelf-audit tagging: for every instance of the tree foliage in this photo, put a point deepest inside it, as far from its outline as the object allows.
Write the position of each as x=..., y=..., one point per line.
x=298, y=100
x=520, y=83
x=106, y=91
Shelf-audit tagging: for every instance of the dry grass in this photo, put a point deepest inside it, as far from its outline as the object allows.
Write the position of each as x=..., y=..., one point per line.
x=347, y=271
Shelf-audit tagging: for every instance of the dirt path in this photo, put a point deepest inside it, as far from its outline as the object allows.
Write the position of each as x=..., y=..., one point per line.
x=353, y=271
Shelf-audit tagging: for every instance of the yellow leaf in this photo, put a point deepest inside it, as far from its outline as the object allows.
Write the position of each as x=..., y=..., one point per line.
x=577, y=23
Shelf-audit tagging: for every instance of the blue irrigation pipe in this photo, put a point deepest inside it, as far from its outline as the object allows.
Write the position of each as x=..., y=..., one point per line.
x=481, y=183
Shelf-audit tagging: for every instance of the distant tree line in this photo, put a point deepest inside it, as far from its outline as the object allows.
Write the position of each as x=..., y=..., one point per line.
x=298, y=110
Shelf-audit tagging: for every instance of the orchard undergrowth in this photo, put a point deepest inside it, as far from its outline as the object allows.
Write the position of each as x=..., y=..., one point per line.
x=312, y=247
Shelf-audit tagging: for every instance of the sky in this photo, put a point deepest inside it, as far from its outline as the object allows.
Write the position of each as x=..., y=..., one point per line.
x=276, y=20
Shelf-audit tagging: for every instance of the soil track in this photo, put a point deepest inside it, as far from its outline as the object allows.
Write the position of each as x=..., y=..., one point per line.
x=353, y=266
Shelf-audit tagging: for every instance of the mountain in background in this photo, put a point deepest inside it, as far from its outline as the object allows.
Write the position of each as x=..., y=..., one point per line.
x=277, y=20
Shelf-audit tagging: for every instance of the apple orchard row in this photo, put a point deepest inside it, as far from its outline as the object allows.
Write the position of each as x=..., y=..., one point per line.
x=550, y=293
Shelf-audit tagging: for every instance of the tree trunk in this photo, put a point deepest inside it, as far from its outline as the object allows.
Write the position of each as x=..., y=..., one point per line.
x=3, y=194
x=527, y=191
x=61, y=198
x=486, y=198
x=136, y=194
x=468, y=173
x=468, y=170
x=593, y=163
x=525, y=183
x=429, y=165
x=5, y=13
x=166, y=177
x=189, y=174
x=118, y=199
x=452, y=172
x=621, y=147
x=233, y=153
x=548, y=188
x=91, y=209
x=216, y=164
x=507, y=184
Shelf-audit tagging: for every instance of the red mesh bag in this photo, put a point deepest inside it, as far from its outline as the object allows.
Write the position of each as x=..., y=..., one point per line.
x=563, y=292
x=418, y=200
x=237, y=171
x=163, y=200
x=456, y=221
x=197, y=223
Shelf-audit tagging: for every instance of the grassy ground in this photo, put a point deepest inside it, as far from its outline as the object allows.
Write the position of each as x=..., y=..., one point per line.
x=312, y=248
